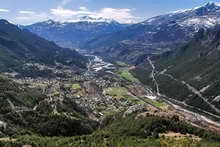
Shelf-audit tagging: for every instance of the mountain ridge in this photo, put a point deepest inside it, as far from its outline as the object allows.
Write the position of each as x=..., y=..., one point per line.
x=19, y=47
x=75, y=34
x=192, y=70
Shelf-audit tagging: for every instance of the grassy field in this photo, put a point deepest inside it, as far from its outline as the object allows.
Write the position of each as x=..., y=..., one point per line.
x=122, y=64
x=128, y=76
x=117, y=92
x=76, y=86
x=159, y=104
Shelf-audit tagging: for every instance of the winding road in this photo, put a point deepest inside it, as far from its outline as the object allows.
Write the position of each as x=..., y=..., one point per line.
x=153, y=75
x=177, y=104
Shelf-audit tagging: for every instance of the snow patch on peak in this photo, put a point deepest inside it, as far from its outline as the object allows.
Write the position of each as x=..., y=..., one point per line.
x=50, y=21
x=217, y=4
x=180, y=11
x=200, y=22
x=88, y=19
x=94, y=19
x=54, y=23
x=212, y=4
x=151, y=20
x=209, y=5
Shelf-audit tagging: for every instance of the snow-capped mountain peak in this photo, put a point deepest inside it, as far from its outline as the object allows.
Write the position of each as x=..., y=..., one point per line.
x=182, y=23
x=88, y=19
x=50, y=21
x=205, y=16
x=91, y=19
x=82, y=19
x=75, y=32
x=211, y=5
x=207, y=8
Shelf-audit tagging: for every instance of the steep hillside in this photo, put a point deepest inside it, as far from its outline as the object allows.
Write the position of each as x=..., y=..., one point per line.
x=75, y=34
x=156, y=35
x=20, y=47
x=189, y=74
x=130, y=131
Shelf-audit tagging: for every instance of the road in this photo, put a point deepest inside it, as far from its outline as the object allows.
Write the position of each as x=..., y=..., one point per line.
x=178, y=105
x=153, y=75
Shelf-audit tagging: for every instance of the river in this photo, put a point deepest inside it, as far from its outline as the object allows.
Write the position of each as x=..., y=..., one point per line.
x=97, y=64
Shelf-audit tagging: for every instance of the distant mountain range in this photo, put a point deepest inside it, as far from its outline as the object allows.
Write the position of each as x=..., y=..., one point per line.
x=156, y=35
x=130, y=43
x=21, y=47
x=75, y=34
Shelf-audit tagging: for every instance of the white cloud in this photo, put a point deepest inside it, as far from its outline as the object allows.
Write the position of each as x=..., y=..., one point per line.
x=26, y=12
x=69, y=15
x=121, y=15
x=61, y=14
x=4, y=10
x=83, y=8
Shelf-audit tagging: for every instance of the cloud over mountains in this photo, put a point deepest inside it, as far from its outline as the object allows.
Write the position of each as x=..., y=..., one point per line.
x=61, y=13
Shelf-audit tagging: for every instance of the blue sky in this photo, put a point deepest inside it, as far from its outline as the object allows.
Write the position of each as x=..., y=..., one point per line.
x=125, y=11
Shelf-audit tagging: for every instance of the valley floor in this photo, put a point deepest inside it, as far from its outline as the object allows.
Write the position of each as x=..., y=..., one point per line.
x=98, y=96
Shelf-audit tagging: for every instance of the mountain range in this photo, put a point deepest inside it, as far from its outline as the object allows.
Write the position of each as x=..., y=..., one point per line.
x=75, y=34
x=131, y=42
x=156, y=35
